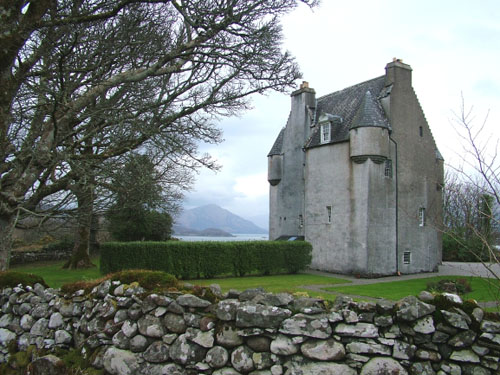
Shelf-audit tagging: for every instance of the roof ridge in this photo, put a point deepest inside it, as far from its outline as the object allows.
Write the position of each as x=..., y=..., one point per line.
x=351, y=87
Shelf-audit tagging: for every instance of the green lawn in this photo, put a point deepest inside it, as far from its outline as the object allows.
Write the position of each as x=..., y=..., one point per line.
x=482, y=289
x=55, y=276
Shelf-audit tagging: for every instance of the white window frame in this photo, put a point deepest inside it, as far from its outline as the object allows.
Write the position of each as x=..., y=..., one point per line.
x=388, y=168
x=326, y=132
x=421, y=217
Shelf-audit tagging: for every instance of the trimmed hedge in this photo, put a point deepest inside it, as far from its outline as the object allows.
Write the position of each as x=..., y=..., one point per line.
x=190, y=260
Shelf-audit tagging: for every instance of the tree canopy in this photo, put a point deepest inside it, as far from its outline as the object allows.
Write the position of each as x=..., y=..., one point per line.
x=84, y=82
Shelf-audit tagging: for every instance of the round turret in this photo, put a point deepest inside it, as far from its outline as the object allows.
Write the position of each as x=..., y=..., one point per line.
x=369, y=132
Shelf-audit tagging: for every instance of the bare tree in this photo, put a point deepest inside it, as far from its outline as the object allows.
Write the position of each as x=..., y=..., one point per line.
x=472, y=194
x=88, y=81
x=468, y=219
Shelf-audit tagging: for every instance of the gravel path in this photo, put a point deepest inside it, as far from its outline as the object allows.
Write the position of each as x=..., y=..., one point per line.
x=447, y=268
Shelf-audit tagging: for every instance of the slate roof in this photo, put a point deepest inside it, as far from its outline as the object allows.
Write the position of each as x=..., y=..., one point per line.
x=278, y=144
x=357, y=105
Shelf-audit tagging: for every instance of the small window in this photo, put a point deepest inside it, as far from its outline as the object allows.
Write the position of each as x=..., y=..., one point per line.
x=301, y=221
x=329, y=214
x=421, y=131
x=325, y=129
x=388, y=168
x=421, y=216
x=407, y=257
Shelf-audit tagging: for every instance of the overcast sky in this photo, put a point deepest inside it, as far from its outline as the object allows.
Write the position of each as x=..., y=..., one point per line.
x=453, y=48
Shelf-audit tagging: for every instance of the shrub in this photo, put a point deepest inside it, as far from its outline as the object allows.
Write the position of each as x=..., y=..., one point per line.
x=458, y=286
x=458, y=249
x=12, y=278
x=188, y=260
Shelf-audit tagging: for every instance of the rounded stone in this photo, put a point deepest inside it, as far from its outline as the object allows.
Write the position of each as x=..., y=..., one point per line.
x=217, y=357
x=378, y=365
x=138, y=343
x=228, y=337
x=157, y=352
x=323, y=350
x=259, y=343
x=174, y=323
x=283, y=345
x=241, y=359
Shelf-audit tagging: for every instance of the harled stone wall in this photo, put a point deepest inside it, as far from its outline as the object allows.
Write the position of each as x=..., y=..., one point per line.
x=128, y=332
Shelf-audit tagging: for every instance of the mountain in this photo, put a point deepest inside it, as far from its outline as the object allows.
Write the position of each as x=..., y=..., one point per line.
x=213, y=216
x=181, y=230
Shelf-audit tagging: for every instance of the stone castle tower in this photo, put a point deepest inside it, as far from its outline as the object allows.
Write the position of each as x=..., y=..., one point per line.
x=357, y=173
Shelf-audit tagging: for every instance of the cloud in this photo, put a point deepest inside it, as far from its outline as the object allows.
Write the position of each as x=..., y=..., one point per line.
x=253, y=186
x=452, y=47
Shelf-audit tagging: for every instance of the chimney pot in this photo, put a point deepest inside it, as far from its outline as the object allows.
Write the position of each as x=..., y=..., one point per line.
x=304, y=85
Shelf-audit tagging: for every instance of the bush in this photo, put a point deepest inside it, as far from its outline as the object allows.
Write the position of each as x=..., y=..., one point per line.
x=458, y=249
x=12, y=278
x=138, y=224
x=188, y=260
x=458, y=286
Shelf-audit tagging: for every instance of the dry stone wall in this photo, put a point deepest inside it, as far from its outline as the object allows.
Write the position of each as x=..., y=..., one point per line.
x=43, y=255
x=126, y=331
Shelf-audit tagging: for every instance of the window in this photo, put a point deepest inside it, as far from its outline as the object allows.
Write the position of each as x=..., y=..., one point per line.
x=301, y=221
x=421, y=217
x=329, y=214
x=388, y=168
x=421, y=131
x=325, y=129
x=406, y=257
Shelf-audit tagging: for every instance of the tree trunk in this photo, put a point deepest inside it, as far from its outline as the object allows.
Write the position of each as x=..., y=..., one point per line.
x=7, y=224
x=81, y=256
x=94, y=230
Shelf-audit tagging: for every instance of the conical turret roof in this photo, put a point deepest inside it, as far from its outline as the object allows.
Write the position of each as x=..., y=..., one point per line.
x=369, y=114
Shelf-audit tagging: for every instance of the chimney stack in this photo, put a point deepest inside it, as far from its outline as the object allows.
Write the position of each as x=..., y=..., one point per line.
x=397, y=72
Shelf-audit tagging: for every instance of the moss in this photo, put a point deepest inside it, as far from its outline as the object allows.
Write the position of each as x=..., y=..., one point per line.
x=87, y=286
x=469, y=306
x=205, y=293
x=73, y=358
x=13, y=278
x=19, y=359
x=494, y=316
x=5, y=369
x=443, y=303
x=150, y=280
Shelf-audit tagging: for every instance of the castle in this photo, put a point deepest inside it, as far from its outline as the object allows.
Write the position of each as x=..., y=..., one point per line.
x=357, y=174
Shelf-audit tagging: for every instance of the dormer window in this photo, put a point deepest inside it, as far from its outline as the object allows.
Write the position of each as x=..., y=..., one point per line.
x=325, y=122
x=326, y=131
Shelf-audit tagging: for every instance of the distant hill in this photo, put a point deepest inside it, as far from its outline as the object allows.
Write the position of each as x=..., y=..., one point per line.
x=212, y=216
x=181, y=230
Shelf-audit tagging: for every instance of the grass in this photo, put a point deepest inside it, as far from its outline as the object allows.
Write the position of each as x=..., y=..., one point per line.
x=276, y=283
x=482, y=289
x=55, y=276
